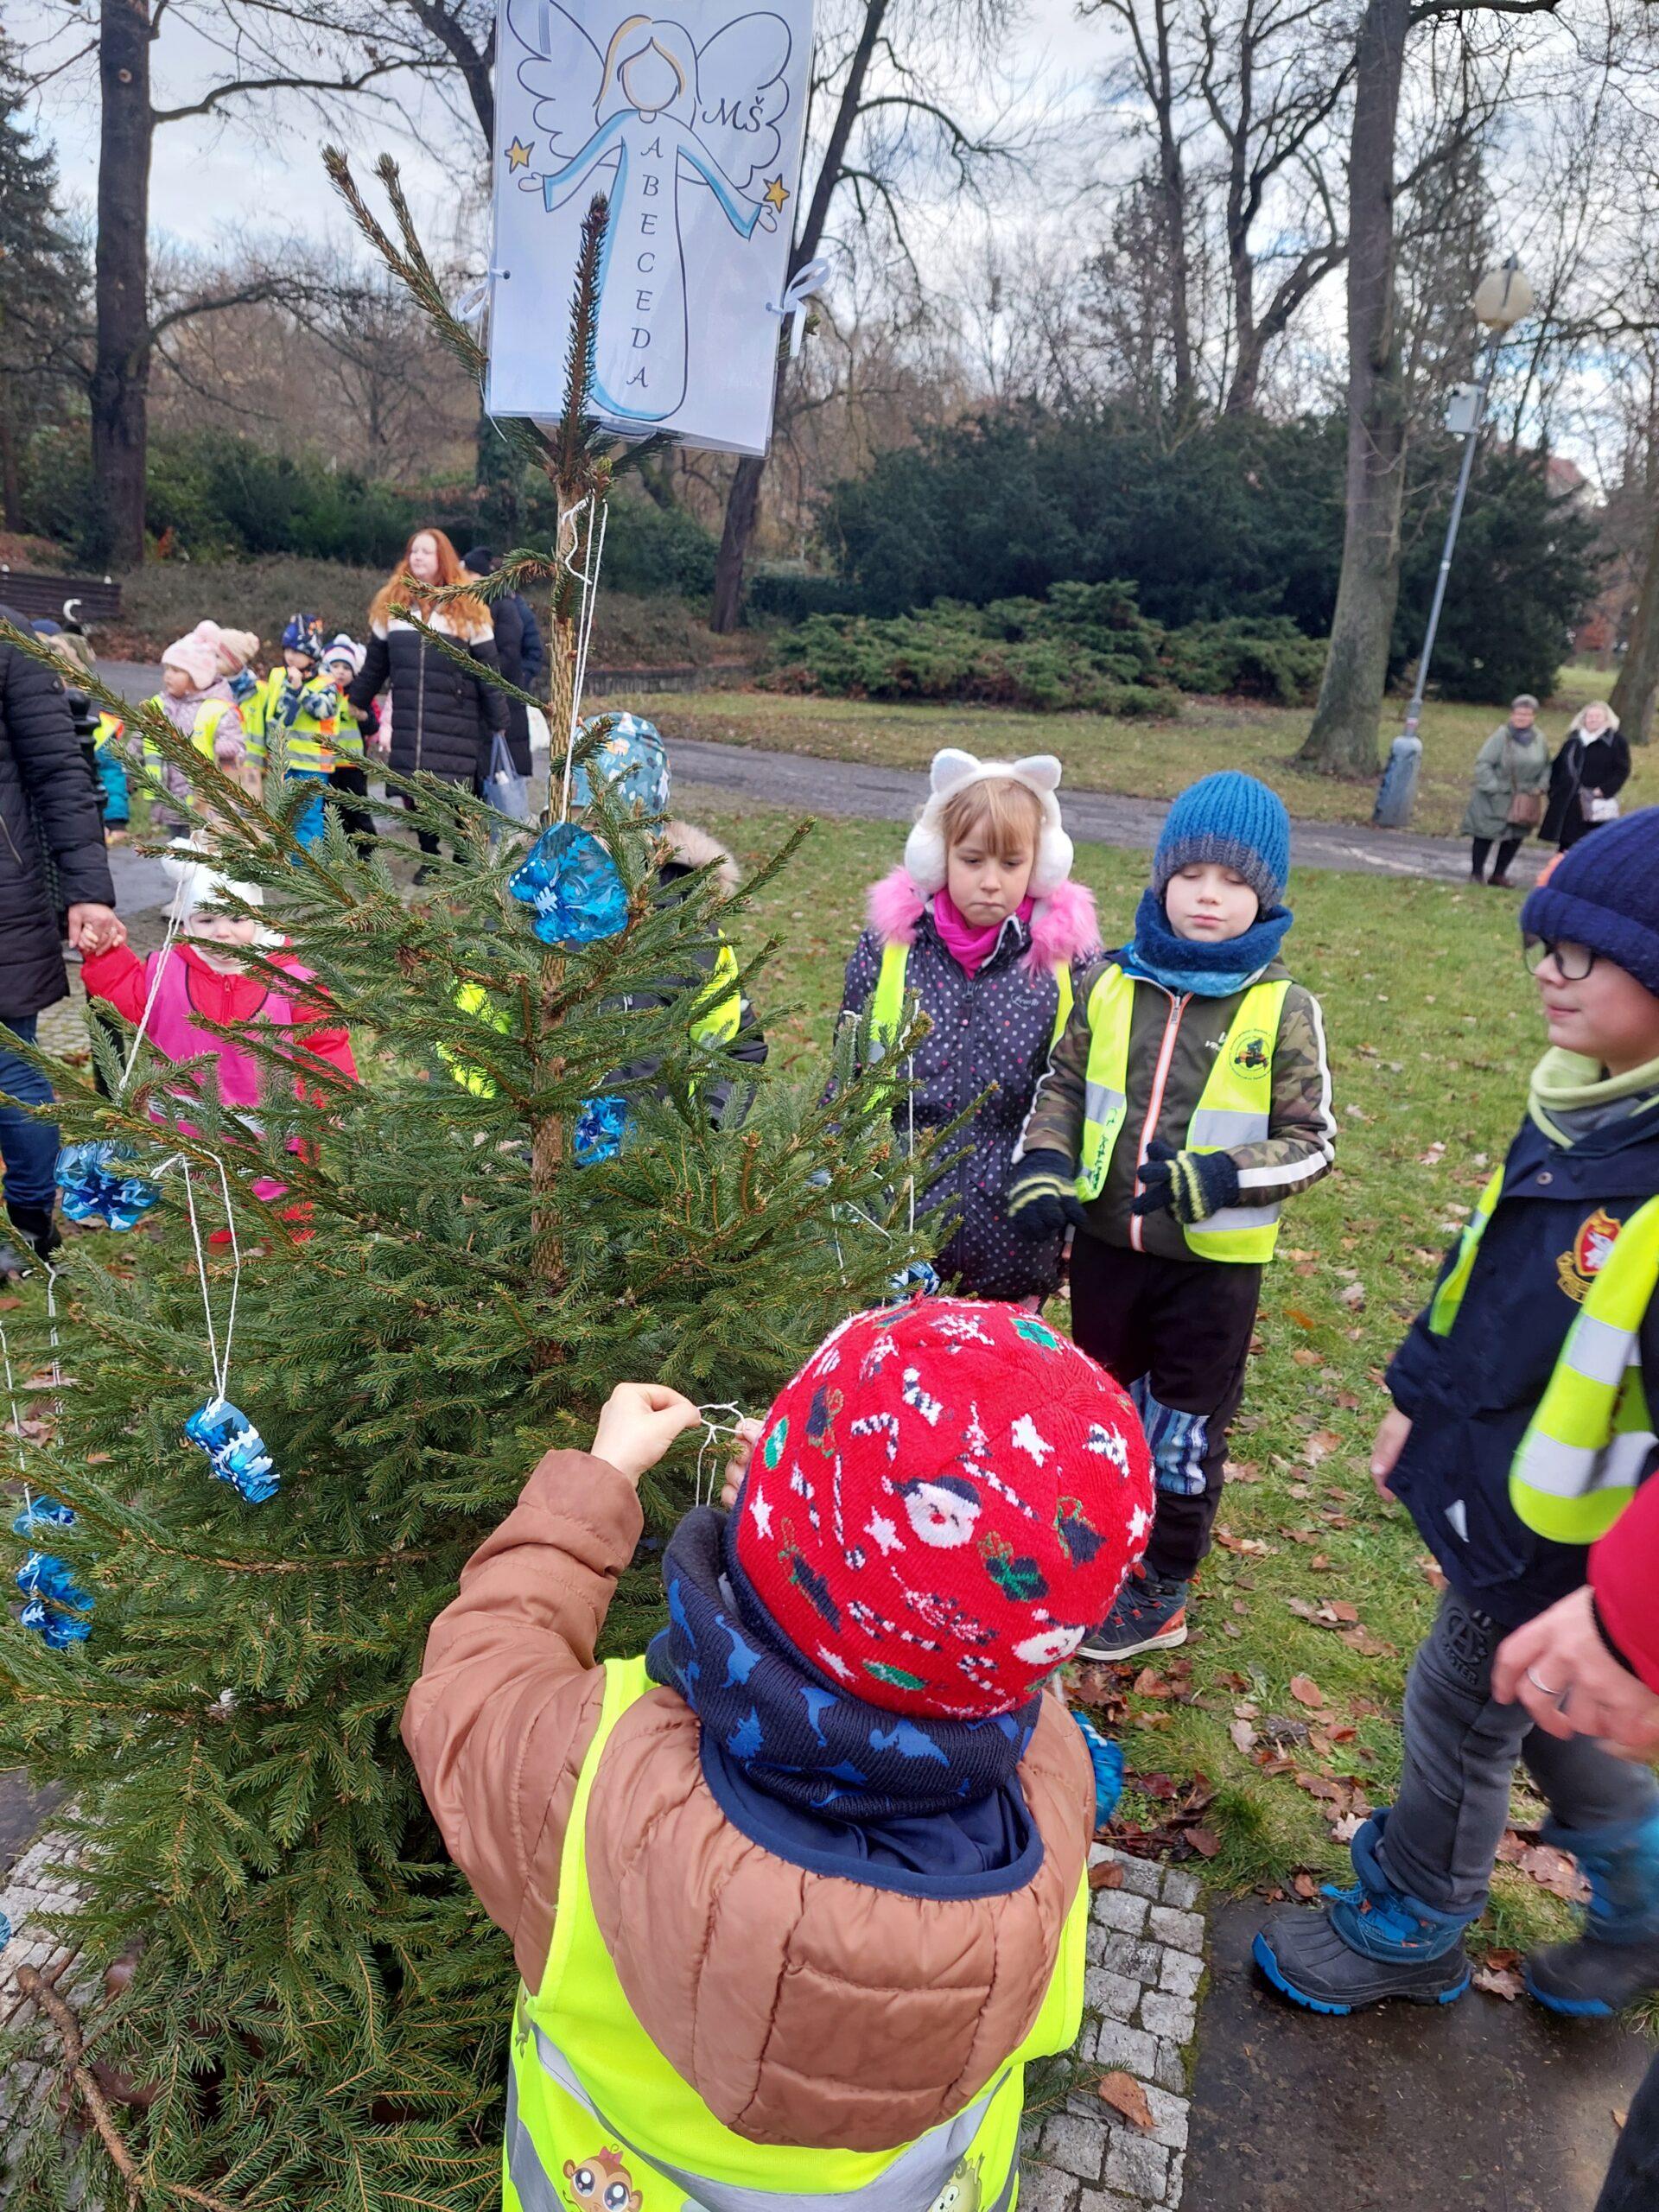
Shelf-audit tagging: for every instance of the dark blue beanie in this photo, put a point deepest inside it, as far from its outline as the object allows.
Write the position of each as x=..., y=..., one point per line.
x=1235, y=821
x=1604, y=893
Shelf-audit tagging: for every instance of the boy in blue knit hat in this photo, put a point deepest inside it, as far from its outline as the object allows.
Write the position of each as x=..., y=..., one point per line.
x=1189, y=1097
x=1524, y=1397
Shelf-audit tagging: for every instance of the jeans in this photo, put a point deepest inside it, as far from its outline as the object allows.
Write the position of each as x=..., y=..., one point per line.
x=1460, y=1751
x=1632, y=2183
x=29, y=1147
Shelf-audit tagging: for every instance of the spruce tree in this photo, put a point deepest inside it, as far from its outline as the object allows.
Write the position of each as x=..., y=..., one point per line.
x=290, y=1993
x=42, y=289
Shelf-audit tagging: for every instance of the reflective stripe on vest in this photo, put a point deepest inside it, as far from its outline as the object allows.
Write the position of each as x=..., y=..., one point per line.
x=1588, y=1445
x=203, y=728
x=887, y=1000
x=587, y=2079
x=1235, y=1107
x=1586, y=1448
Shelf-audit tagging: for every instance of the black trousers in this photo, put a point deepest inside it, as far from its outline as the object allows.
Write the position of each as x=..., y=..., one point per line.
x=1478, y=849
x=359, y=823
x=1632, y=2184
x=1180, y=1331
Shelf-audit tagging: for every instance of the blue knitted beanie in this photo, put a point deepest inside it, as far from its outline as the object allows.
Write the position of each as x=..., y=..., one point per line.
x=1604, y=893
x=1235, y=821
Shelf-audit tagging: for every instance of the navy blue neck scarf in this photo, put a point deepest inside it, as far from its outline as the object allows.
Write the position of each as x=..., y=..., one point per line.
x=789, y=1730
x=1212, y=971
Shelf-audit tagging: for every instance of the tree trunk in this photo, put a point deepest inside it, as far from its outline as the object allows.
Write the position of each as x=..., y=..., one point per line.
x=743, y=500
x=1343, y=737
x=1639, y=676
x=119, y=389
x=11, y=494
x=1172, y=194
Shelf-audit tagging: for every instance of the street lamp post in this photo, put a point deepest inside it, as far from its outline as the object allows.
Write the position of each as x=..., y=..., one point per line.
x=1500, y=301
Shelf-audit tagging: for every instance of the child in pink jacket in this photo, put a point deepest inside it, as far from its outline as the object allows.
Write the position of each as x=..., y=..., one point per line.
x=202, y=979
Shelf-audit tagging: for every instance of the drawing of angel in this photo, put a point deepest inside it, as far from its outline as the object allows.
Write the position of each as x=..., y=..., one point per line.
x=664, y=118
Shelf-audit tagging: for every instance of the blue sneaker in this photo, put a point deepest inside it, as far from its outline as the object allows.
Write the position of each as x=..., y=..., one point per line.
x=1369, y=1942
x=1150, y=1615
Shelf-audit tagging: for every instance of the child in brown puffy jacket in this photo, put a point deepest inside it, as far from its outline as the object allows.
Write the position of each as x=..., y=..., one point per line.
x=794, y=1895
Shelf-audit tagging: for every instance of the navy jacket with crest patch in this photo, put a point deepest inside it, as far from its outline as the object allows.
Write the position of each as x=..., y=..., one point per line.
x=1470, y=1394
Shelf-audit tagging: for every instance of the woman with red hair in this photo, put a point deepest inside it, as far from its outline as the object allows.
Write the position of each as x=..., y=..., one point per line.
x=442, y=712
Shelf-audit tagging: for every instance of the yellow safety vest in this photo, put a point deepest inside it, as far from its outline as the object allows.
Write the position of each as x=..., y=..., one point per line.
x=887, y=1003
x=718, y=1018
x=1586, y=1448
x=589, y=2093
x=1235, y=1107
x=108, y=733
x=203, y=729
x=307, y=743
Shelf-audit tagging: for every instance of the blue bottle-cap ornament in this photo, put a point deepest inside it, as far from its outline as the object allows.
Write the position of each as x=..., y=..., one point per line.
x=572, y=883
x=56, y=1631
x=601, y=1125
x=42, y=1513
x=1107, y=1760
x=919, y=1280
x=236, y=1450
x=96, y=1183
x=48, y=1584
x=630, y=761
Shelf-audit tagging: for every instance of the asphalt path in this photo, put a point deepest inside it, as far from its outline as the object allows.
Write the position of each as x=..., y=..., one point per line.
x=802, y=783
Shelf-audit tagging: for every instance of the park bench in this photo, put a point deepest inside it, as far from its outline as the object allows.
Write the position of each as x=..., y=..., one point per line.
x=59, y=599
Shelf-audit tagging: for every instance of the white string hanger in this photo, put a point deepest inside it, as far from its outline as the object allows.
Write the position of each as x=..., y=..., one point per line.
x=712, y=1431
x=587, y=577
x=220, y=1359
x=173, y=927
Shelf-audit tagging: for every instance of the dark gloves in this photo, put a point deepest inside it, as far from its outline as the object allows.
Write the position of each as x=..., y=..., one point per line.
x=1043, y=1197
x=1192, y=1184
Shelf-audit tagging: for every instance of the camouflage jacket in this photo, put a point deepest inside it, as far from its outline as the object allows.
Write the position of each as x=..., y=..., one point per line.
x=1173, y=1045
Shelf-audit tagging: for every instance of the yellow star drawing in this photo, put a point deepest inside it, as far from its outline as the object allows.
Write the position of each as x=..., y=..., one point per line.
x=775, y=193
x=518, y=154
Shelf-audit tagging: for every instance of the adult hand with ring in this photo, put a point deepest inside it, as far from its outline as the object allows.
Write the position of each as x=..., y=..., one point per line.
x=1561, y=1660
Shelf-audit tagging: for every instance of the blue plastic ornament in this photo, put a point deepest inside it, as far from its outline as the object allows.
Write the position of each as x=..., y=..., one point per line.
x=5, y=1931
x=919, y=1280
x=42, y=1513
x=1107, y=1760
x=48, y=1584
x=571, y=882
x=601, y=1125
x=630, y=763
x=96, y=1183
x=236, y=1450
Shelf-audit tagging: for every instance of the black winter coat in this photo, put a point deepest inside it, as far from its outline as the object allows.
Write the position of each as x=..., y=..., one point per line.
x=50, y=824
x=518, y=646
x=442, y=713
x=1471, y=1394
x=1583, y=764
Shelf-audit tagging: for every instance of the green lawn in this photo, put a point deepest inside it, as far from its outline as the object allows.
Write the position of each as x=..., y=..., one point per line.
x=1144, y=760
x=1433, y=1030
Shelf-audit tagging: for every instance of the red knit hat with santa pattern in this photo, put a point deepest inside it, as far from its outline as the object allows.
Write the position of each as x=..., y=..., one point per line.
x=942, y=1503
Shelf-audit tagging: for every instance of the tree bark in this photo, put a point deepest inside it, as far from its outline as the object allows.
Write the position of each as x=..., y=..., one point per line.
x=1637, y=686
x=119, y=389
x=1172, y=194
x=743, y=500
x=1343, y=737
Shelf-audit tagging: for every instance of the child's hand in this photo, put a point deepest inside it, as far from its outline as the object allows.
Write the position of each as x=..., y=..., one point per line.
x=1390, y=1442
x=1192, y=1184
x=1043, y=1196
x=748, y=1435
x=639, y=1422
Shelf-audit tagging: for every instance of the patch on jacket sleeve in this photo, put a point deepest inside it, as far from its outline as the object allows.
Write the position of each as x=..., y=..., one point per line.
x=1585, y=1258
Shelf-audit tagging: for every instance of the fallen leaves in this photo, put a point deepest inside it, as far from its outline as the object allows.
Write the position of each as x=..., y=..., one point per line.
x=1244, y=1737
x=1106, y=1874
x=1433, y=1156
x=1246, y=1547
x=1306, y=1691
x=1320, y=1444
x=1306, y=1887
x=1126, y=2096
x=1541, y=1863
x=1499, y=1982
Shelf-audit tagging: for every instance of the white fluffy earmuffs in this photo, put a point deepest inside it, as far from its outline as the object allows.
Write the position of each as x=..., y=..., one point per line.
x=953, y=771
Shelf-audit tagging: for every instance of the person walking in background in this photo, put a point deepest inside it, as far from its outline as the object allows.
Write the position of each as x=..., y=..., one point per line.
x=1188, y=1098
x=341, y=660
x=1592, y=768
x=234, y=653
x=519, y=647
x=443, y=711
x=49, y=829
x=196, y=701
x=1507, y=801
x=1520, y=1428
x=299, y=716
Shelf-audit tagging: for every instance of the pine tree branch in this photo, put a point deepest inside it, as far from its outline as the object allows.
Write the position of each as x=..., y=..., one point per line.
x=32, y=1984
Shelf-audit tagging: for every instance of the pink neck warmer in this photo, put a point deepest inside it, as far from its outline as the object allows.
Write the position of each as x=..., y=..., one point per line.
x=969, y=947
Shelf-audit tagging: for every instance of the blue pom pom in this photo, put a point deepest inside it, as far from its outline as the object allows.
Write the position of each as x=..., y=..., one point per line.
x=1107, y=1760
x=572, y=883
x=236, y=1450
x=601, y=1125
x=96, y=1183
x=919, y=1280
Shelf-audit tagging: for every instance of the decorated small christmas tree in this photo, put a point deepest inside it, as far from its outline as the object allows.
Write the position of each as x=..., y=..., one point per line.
x=290, y=1998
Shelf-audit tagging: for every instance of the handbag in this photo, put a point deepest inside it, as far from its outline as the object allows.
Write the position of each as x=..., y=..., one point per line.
x=1526, y=808
x=505, y=790
x=1595, y=808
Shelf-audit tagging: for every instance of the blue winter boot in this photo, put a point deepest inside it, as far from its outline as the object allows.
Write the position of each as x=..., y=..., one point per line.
x=1617, y=1957
x=1370, y=1942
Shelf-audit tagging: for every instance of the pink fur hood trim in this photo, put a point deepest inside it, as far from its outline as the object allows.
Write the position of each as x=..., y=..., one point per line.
x=1063, y=925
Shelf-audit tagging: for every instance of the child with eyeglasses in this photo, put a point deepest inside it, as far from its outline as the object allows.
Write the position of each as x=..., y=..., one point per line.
x=1524, y=1399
